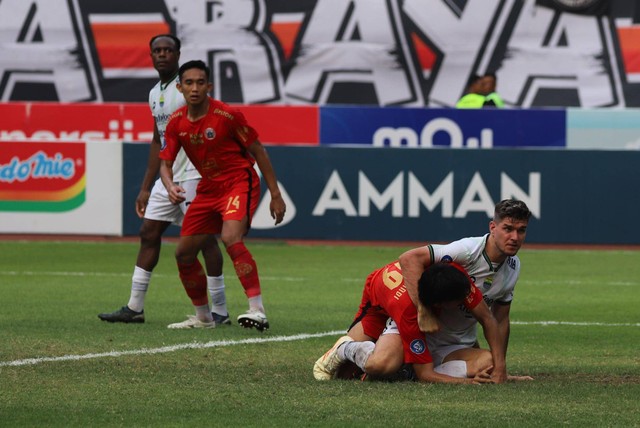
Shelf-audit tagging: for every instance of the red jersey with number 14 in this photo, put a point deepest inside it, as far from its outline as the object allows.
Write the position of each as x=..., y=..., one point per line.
x=216, y=144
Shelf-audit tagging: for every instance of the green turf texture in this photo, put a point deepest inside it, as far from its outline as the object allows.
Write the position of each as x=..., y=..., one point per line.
x=586, y=369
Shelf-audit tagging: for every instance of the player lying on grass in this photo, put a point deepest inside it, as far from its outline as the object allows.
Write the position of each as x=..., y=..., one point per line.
x=494, y=267
x=441, y=287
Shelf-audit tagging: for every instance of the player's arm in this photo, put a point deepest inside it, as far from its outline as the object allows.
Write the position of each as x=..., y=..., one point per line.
x=413, y=263
x=425, y=373
x=277, y=205
x=501, y=313
x=176, y=193
x=153, y=166
x=495, y=339
x=166, y=158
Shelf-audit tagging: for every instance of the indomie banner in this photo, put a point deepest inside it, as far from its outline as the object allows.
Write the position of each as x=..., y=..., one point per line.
x=412, y=53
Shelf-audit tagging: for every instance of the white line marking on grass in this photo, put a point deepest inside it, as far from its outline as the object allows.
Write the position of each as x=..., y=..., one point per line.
x=165, y=349
x=581, y=324
x=28, y=273
x=161, y=275
x=222, y=343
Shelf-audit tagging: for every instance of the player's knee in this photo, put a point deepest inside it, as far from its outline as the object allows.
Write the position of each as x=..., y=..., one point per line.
x=185, y=255
x=150, y=235
x=230, y=239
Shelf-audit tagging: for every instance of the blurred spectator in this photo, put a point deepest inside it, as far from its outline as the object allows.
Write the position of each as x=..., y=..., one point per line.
x=492, y=98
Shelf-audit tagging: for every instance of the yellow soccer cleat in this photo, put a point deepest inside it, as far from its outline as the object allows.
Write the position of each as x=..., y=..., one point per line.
x=327, y=365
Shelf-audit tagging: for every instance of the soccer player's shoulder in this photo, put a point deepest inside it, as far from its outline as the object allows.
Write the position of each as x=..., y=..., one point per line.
x=220, y=108
x=513, y=262
x=177, y=115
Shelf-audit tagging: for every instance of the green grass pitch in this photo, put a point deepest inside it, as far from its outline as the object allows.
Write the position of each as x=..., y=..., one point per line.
x=576, y=330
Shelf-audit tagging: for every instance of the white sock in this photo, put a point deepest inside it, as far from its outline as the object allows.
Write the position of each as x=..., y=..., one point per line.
x=256, y=303
x=139, y=286
x=203, y=313
x=454, y=368
x=215, y=284
x=356, y=352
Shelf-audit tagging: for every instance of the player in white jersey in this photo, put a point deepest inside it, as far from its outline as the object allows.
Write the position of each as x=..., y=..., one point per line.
x=154, y=206
x=492, y=264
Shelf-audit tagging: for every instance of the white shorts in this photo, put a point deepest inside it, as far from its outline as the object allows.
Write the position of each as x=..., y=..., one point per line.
x=160, y=207
x=438, y=354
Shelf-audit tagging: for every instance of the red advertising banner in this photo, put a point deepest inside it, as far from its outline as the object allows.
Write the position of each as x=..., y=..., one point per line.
x=42, y=176
x=391, y=53
x=132, y=122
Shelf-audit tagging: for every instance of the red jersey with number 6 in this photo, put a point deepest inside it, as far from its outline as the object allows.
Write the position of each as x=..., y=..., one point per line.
x=385, y=295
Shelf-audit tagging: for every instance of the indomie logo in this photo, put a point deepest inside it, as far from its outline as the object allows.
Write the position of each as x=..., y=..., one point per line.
x=42, y=176
x=37, y=166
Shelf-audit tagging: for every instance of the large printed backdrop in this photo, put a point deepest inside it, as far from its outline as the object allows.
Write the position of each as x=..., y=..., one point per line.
x=374, y=52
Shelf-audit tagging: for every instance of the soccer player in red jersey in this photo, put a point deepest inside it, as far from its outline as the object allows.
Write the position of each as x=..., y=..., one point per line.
x=385, y=333
x=223, y=147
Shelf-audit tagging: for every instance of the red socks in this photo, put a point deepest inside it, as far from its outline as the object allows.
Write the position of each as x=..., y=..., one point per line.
x=194, y=282
x=246, y=268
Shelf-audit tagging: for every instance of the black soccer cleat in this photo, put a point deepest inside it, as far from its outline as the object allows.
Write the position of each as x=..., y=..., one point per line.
x=221, y=319
x=124, y=314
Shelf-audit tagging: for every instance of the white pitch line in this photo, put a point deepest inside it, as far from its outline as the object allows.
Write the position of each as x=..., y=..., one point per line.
x=222, y=343
x=580, y=324
x=165, y=349
x=128, y=275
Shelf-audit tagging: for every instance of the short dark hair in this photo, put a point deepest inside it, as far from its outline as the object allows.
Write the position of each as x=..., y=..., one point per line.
x=170, y=36
x=443, y=282
x=511, y=208
x=472, y=80
x=194, y=64
x=492, y=75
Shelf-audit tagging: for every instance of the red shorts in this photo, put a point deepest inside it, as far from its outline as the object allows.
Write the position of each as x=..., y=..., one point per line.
x=373, y=318
x=233, y=201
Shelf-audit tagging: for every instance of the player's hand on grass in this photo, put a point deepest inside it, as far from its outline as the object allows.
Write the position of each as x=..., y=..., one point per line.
x=483, y=376
x=518, y=378
x=498, y=377
x=141, y=202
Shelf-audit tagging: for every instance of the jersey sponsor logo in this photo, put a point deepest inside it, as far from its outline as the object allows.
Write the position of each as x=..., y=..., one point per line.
x=418, y=346
x=196, y=139
x=223, y=113
x=209, y=133
x=44, y=177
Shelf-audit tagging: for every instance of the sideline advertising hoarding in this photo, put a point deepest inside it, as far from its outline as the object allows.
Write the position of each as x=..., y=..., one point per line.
x=61, y=187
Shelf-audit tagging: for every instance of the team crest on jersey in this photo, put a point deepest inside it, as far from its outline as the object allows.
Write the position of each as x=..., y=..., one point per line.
x=487, y=283
x=209, y=134
x=418, y=346
x=447, y=259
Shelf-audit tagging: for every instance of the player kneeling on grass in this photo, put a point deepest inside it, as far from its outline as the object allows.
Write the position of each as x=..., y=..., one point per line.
x=380, y=351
